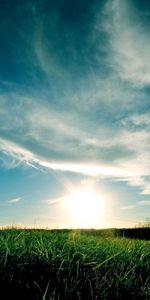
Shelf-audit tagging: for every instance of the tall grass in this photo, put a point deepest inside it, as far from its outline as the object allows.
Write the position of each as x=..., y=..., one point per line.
x=40, y=264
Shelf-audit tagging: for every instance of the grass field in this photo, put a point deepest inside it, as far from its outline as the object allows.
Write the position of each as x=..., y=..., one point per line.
x=65, y=264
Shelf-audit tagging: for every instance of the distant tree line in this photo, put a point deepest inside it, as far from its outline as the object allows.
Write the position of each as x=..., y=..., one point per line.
x=144, y=224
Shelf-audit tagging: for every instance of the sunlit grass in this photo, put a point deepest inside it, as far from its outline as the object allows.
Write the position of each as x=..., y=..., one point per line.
x=40, y=264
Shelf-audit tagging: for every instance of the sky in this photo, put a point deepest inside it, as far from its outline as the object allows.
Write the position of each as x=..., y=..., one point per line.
x=74, y=113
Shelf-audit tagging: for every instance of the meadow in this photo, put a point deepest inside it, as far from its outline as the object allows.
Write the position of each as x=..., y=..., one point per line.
x=73, y=264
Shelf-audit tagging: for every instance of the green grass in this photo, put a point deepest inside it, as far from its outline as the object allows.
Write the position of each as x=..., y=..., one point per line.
x=40, y=264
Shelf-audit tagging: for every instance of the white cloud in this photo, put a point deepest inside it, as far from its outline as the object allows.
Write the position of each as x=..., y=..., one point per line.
x=14, y=154
x=136, y=138
x=11, y=201
x=137, y=204
x=142, y=119
x=55, y=201
x=129, y=42
x=24, y=156
x=72, y=141
x=142, y=183
x=144, y=202
x=128, y=207
x=15, y=200
x=63, y=132
x=146, y=190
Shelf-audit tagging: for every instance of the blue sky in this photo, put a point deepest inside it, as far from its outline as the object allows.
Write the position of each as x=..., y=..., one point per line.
x=74, y=110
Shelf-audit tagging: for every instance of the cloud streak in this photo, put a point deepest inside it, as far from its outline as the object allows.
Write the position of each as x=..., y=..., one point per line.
x=58, y=141
x=15, y=200
x=138, y=204
x=21, y=155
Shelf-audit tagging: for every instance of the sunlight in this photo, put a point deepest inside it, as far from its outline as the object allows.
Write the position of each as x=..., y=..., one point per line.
x=86, y=208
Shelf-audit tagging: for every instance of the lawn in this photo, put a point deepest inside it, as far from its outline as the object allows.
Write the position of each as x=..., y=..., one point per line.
x=72, y=264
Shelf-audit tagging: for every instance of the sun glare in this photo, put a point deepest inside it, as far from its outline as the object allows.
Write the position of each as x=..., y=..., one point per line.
x=86, y=209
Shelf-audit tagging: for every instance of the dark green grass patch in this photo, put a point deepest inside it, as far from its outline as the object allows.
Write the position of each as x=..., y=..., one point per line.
x=40, y=264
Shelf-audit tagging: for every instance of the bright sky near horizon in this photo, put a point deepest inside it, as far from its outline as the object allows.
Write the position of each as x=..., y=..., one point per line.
x=74, y=113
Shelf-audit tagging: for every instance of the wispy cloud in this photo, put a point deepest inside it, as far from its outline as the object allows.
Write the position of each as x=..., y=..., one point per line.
x=54, y=201
x=13, y=154
x=87, y=126
x=128, y=207
x=138, y=120
x=11, y=201
x=129, y=42
x=137, y=204
x=141, y=183
x=24, y=156
x=144, y=202
x=118, y=152
x=15, y=200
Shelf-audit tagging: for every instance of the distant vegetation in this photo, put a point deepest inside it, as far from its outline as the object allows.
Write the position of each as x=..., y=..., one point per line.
x=146, y=223
x=73, y=264
x=142, y=233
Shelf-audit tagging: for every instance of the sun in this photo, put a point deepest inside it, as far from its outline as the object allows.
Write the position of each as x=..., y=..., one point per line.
x=86, y=208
